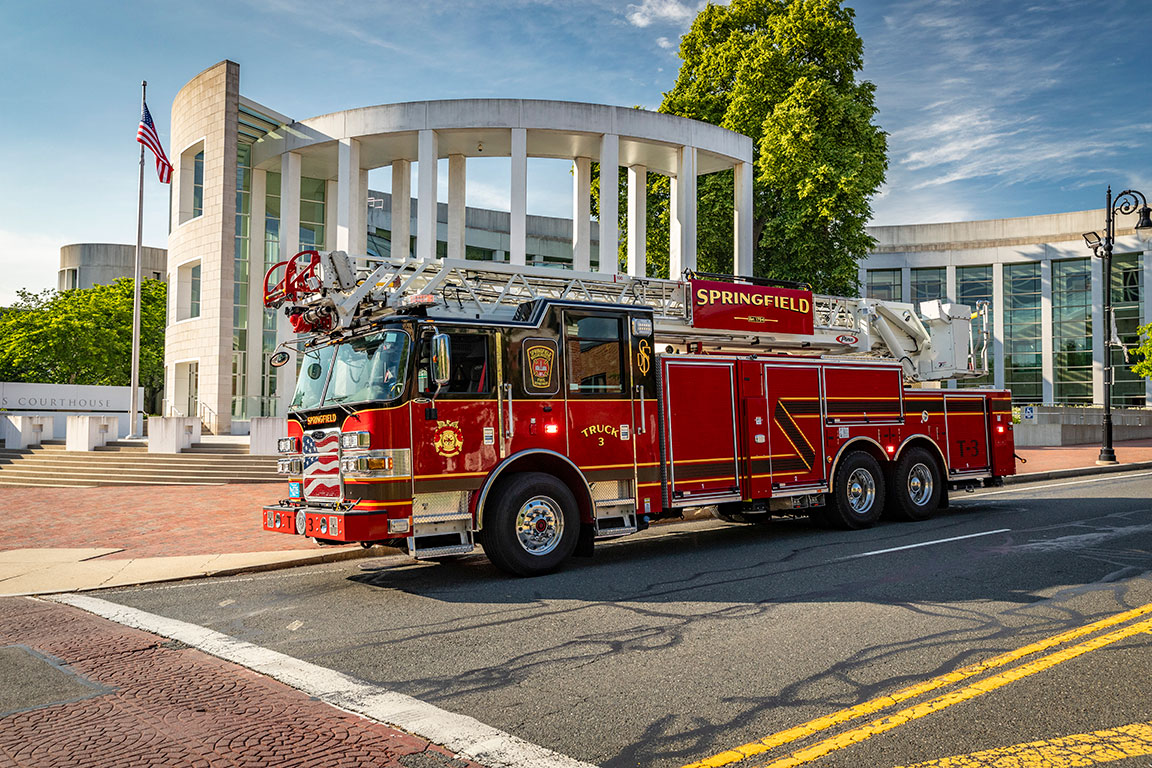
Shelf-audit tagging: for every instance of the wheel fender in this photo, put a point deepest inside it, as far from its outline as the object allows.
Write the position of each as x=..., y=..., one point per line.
x=855, y=444
x=539, y=460
x=920, y=440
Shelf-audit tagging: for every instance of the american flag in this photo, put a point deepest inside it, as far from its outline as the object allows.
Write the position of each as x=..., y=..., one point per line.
x=146, y=135
x=322, y=464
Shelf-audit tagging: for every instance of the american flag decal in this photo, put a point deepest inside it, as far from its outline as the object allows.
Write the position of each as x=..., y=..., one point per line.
x=322, y=464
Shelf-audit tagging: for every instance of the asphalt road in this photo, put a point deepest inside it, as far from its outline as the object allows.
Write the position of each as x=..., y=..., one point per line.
x=697, y=637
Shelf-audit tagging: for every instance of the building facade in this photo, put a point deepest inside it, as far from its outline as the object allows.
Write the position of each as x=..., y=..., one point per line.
x=83, y=265
x=252, y=186
x=1045, y=290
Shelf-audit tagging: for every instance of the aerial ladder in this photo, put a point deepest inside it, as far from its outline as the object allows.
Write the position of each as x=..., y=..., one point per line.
x=331, y=293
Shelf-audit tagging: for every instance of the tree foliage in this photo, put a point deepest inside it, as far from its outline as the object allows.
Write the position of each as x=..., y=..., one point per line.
x=84, y=336
x=1143, y=366
x=782, y=72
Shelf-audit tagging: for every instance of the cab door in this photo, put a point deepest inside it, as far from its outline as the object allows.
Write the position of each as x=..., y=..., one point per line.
x=598, y=393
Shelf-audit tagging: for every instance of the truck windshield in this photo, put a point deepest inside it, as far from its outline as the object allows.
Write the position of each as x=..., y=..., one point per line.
x=369, y=368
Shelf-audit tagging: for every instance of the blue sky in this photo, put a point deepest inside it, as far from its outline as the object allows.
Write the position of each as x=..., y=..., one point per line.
x=995, y=108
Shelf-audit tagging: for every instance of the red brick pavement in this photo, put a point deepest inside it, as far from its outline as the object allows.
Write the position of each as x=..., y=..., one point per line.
x=157, y=521
x=1048, y=458
x=164, y=704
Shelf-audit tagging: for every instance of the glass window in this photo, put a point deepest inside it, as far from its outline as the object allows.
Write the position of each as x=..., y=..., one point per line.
x=470, y=371
x=594, y=354
x=198, y=184
x=369, y=368
x=1022, y=366
x=1128, y=388
x=974, y=285
x=194, y=291
x=314, y=366
x=885, y=284
x=927, y=284
x=1072, y=331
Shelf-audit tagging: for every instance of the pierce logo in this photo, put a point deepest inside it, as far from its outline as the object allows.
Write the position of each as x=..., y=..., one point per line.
x=847, y=338
x=448, y=439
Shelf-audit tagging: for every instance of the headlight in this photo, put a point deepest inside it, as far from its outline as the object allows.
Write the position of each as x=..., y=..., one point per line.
x=288, y=445
x=289, y=467
x=355, y=439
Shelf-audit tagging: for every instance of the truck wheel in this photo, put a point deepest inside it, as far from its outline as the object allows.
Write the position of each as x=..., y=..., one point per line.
x=857, y=492
x=916, y=486
x=531, y=525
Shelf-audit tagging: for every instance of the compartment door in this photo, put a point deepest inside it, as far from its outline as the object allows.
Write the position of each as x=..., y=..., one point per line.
x=797, y=437
x=700, y=423
x=967, y=433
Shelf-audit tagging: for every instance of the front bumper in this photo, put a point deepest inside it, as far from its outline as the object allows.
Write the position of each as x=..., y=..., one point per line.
x=327, y=524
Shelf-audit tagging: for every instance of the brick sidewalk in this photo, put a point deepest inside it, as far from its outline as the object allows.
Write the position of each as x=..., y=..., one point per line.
x=1047, y=459
x=140, y=700
x=158, y=521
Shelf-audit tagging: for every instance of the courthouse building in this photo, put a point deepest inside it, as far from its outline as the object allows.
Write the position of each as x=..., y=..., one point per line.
x=252, y=186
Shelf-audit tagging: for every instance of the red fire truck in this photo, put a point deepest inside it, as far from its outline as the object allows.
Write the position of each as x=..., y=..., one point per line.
x=536, y=411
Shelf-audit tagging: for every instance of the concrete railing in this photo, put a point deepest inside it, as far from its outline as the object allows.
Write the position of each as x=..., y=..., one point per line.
x=263, y=432
x=87, y=433
x=1065, y=425
x=172, y=434
x=22, y=432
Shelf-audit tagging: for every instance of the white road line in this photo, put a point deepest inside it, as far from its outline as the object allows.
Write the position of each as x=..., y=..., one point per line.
x=1029, y=488
x=461, y=734
x=922, y=544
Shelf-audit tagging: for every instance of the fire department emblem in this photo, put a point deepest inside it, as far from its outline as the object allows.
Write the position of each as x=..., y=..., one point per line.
x=540, y=366
x=448, y=439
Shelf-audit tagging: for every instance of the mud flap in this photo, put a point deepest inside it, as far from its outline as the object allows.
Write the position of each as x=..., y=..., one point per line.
x=586, y=543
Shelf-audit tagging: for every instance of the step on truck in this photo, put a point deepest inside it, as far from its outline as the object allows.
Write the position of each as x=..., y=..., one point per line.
x=443, y=404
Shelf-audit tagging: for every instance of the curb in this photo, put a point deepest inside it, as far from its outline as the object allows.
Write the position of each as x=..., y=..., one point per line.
x=1058, y=474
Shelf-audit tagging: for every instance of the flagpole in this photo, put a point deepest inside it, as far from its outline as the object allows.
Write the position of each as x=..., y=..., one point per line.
x=133, y=430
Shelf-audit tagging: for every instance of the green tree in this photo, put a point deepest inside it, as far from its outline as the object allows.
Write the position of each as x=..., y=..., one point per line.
x=782, y=72
x=1143, y=365
x=84, y=336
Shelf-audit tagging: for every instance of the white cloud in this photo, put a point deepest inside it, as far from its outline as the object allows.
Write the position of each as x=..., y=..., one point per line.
x=665, y=43
x=651, y=12
x=28, y=261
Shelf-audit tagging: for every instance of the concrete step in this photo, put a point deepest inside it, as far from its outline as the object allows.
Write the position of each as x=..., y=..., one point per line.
x=17, y=470
x=99, y=459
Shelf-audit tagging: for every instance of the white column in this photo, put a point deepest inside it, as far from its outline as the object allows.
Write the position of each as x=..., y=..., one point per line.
x=685, y=211
x=638, y=221
x=257, y=223
x=950, y=284
x=517, y=227
x=1098, y=331
x=348, y=201
x=998, y=314
x=289, y=245
x=331, y=217
x=401, y=208
x=359, y=224
x=427, y=156
x=610, y=204
x=457, y=184
x=1047, y=378
x=675, y=258
x=742, y=262
x=906, y=285
x=581, y=223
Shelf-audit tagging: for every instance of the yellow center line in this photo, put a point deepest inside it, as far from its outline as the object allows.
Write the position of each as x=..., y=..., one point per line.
x=1076, y=751
x=904, y=694
x=876, y=727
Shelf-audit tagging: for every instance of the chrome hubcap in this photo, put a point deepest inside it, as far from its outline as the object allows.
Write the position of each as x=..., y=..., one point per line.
x=539, y=525
x=861, y=490
x=920, y=484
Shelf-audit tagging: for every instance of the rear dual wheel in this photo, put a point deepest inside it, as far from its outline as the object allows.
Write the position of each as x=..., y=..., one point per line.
x=857, y=493
x=916, y=486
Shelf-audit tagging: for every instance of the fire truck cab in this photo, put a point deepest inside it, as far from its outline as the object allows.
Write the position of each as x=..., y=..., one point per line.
x=557, y=419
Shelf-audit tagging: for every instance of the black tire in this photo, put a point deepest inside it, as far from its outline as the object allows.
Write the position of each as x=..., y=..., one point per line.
x=857, y=493
x=541, y=498
x=916, y=486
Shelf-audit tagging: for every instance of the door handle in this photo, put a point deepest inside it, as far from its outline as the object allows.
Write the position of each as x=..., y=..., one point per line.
x=640, y=427
x=511, y=424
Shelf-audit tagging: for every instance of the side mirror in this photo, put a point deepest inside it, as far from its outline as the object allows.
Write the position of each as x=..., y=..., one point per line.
x=441, y=360
x=280, y=359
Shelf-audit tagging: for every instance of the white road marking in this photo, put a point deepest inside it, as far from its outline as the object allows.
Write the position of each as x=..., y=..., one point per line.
x=461, y=734
x=922, y=544
x=294, y=626
x=226, y=603
x=1029, y=488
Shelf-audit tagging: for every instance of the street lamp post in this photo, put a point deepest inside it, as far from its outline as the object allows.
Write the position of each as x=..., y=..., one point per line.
x=1125, y=203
